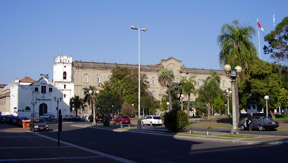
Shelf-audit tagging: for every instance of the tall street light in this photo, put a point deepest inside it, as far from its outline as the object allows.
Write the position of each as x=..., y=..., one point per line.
x=57, y=99
x=266, y=98
x=139, y=102
x=232, y=74
x=227, y=94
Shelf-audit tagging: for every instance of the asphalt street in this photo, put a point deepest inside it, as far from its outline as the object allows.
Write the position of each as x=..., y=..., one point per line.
x=81, y=142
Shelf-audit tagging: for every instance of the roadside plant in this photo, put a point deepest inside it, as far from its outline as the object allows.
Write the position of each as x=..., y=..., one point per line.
x=190, y=128
x=176, y=120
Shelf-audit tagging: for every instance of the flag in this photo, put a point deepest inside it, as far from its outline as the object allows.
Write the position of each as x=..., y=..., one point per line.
x=259, y=26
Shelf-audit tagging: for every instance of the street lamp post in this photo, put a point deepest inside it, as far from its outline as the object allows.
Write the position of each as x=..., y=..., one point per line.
x=266, y=98
x=33, y=103
x=232, y=74
x=228, y=92
x=168, y=105
x=57, y=99
x=92, y=93
x=139, y=30
x=182, y=96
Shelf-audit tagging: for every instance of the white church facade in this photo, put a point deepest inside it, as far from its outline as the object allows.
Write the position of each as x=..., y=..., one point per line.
x=29, y=98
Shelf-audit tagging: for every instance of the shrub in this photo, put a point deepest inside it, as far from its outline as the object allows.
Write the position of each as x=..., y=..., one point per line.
x=176, y=120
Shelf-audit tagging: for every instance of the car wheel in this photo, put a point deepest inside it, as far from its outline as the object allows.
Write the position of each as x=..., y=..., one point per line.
x=261, y=128
x=242, y=127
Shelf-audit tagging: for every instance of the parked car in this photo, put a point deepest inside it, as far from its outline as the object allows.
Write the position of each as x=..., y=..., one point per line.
x=98, y=118
x=19, y=121
x=261, y=123
x=122, y=120
x=152, y=120
x=47, y=116
x=39, y=124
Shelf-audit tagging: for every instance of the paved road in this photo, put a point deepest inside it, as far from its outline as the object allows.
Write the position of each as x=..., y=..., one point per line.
x=155, y=148
x=81, y=143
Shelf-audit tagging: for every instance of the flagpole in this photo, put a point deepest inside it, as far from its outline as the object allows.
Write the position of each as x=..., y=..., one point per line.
x=259, y=44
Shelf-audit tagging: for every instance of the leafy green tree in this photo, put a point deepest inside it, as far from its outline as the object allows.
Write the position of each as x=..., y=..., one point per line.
x=77, y=103
x=218, y=104
x=166, y=78
x=278, y=42
x=237, y=47
x=108, y=102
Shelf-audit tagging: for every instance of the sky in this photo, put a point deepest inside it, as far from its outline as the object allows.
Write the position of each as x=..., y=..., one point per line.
x=33, y=32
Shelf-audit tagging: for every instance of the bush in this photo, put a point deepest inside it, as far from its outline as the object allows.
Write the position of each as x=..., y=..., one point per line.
x=176, y=120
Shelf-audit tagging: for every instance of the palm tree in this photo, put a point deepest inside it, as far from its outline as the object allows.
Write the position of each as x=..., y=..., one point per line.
x=209, y=92
x=77, y=103
x=90, y=97
x=236, y=47
x=165, y=79
x=188, y=88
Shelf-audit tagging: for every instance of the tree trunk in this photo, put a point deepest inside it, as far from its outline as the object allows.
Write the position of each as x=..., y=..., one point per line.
x=188, y=105
x=170, y=99
x=272, y=114
x=208, y=111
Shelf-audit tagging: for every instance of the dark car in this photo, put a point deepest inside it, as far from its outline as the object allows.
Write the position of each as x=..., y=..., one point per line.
x=98, y=118
x=38, y=124
x=261, y=123
x=122, y=119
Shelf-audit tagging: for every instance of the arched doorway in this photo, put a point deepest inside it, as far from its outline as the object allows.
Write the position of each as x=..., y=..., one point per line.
x=42, y=109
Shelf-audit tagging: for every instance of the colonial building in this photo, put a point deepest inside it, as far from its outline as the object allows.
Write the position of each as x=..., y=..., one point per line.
x=95, y=73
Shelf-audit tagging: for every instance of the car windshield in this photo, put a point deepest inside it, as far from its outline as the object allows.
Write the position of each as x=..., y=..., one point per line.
x=266, y=118
x=125, y=117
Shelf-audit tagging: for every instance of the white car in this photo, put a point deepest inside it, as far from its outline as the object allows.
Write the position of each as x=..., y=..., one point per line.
x=152, y=120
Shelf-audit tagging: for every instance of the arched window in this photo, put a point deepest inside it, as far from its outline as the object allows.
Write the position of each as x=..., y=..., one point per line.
x=86, y=78
x=64, y=75
x=153, y=81
x=198, y=82
x=27, y=109
x=98, y=79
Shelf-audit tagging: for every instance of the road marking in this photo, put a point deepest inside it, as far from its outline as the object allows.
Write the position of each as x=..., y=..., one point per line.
x=45, y=159
x=88, y=150
x=34, y=147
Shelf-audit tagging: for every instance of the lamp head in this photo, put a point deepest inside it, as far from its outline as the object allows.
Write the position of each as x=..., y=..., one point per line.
x=134, y=28
x=238, y=68
x=227, y=68
x=266, y=97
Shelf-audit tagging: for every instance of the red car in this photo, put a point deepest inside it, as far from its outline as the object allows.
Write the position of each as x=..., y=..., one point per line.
x=122, y=119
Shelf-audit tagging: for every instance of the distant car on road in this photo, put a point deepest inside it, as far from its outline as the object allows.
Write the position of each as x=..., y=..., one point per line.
x=122, y=120
x=152, y=121
x=261, y=123
x=98, y=118
x=39, y=125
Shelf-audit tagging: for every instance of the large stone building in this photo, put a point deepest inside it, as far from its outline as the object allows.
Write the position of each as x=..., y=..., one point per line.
x=69, y=79
x=94, y=73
